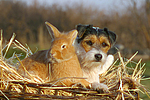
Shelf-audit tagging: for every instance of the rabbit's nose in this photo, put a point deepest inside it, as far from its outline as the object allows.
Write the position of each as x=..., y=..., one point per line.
x=53, y=53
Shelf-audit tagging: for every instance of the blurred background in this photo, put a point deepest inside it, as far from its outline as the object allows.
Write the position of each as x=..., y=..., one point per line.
x=129, y=19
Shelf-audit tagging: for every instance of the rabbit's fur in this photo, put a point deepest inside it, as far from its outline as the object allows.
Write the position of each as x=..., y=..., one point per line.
x=36, y=64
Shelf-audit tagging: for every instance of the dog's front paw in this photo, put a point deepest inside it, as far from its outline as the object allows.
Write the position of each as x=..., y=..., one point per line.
x=100, y=87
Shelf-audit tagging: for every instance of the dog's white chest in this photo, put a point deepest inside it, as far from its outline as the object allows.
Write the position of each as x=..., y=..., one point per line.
x=92, y=75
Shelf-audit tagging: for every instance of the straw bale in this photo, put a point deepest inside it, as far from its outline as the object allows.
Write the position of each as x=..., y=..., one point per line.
x=123, y=81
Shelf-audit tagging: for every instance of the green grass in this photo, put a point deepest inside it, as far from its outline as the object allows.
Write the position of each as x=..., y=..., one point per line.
x=17, y=51
x=146, y=83
x=147, y=66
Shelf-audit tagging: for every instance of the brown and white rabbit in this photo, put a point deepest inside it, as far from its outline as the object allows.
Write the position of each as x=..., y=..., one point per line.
x=64, y=61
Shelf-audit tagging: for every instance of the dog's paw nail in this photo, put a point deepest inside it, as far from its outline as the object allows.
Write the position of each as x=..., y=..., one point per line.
x=100, y=87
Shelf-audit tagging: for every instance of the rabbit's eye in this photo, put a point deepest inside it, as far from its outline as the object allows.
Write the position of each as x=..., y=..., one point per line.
x=63, y=46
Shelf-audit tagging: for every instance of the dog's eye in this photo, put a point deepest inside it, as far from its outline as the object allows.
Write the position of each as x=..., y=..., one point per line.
x=63, y=46
x=89, y=43
x=104, y=44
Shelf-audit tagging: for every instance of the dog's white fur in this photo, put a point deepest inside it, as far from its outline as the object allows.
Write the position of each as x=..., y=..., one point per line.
x=91, y=69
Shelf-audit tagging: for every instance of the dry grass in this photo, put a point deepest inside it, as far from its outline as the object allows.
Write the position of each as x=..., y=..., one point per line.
x=123, y=82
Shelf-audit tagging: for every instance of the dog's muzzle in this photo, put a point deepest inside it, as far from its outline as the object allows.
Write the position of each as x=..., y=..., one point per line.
x=98, y=57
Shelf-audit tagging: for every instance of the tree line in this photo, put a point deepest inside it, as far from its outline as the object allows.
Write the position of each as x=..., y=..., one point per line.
x=27, y=21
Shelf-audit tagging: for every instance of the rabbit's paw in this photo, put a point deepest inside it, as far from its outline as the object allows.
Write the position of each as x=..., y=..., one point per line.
x=99, y=87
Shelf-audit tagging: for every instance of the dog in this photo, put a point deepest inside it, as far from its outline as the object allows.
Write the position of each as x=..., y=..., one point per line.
x=92, y=47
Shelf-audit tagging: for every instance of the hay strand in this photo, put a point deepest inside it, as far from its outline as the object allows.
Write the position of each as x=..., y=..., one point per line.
x=4, y=95
x=1, y=44
x=9, y=44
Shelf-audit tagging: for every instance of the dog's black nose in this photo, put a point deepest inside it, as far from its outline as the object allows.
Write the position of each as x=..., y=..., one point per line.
x=98, y=57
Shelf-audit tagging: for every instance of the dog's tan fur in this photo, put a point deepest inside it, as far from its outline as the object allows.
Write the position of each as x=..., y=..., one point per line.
x=97, y=41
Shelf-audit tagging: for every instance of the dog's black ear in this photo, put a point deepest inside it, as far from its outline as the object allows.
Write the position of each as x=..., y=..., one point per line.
x=106, y=30
x=82, y=28
x=111, y=35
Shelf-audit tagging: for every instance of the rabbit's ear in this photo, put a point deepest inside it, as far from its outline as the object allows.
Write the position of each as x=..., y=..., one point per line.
x=53, y=31
x=73, y=34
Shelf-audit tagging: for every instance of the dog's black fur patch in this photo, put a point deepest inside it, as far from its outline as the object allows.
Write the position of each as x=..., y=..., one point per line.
x=84, y=30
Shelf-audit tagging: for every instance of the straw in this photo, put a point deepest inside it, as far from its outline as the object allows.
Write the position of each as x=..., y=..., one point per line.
x=121, y=85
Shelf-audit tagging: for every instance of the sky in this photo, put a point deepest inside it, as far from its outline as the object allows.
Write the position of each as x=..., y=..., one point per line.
x=107, y=5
